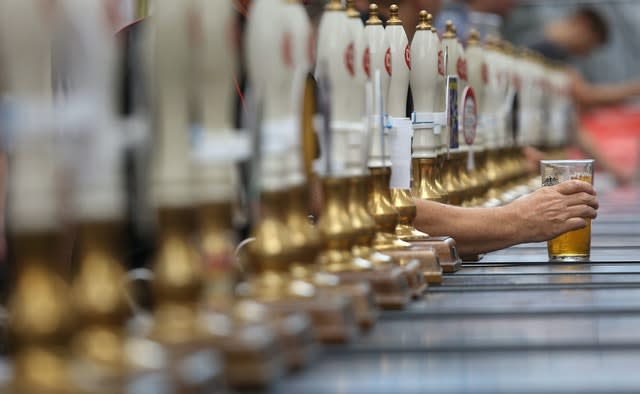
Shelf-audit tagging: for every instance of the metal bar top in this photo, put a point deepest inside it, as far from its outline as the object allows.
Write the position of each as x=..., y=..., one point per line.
x=511, y=322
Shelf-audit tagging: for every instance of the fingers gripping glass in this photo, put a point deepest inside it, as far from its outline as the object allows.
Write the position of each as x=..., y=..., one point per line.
x=573, y=246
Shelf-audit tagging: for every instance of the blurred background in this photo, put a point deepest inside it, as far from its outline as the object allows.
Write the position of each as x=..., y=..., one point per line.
x=616, y=61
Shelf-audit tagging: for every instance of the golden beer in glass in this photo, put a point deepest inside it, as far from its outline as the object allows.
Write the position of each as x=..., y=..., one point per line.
x=573, y=246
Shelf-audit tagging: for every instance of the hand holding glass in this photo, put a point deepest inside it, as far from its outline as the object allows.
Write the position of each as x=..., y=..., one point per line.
x=573, y=246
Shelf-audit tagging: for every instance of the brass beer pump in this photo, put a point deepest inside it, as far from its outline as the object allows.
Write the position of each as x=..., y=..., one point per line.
x=448, y=175
x=359, y=174
x=493, y=103
x=338, y=257
x=283, y=239
x=310, y=267
x=528, y=118
x=477, y=70
x=467, y=138
x=428, y=133
x=346, y=243
x=40, y=336
x=401, y=128
x=214, y=187
x=103, y=362
x=306, y=265
x=102, y=346
x=511, y=152
x=498, y=84
x=515, y=165
x=505, y=124
x=308, y=242
x=41, y=315
x=41, y=321
x=380, y=205
x=441, y=127
x=275, y=284
x=216, y=154
x=400, y=136
x=454, y=178
x=426, y=54
x=378, y=67
x=178, y=284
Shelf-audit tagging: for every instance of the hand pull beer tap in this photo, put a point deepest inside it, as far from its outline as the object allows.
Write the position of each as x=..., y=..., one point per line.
x=477, y=75
x=219, y=147
x=379, y=70
x=347, y=240
x=455, y=178
x=306, y=266
x=40, y=306
x=426, y=72
x=399, y=146
x=491, y=105
x=179, y=283
x=402, y=129
x=285, y=244
x=426, y=54
x=101, y=344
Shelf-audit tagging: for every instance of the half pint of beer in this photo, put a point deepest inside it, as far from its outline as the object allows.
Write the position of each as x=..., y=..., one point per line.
x=573, y=246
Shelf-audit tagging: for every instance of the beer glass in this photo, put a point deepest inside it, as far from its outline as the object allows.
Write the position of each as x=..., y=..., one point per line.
x=573, y=246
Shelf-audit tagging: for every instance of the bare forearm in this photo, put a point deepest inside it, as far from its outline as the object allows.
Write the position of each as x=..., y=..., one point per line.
x=536, y=217
x=476, y=230
x=590, y=95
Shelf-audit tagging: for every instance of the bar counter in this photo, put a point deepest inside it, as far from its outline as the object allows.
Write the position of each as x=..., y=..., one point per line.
x=512, y=322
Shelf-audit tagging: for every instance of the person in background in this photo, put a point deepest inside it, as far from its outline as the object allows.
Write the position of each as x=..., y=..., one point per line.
x=575, y=36
x=566, y=39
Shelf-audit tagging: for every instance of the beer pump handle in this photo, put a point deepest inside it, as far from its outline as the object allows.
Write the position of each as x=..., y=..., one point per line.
x=169, y=74
x=90, y=99
x=26, y=27
x=400, y=61
x=425, y=75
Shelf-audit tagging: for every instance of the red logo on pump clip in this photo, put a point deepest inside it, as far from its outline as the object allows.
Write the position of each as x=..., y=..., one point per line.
x=311, y=49
x=484, y=71
x=387, y=61
x=517, y=83
x=407, y=56
x=366, y=62
x=287, y=53
x=440, y=63
x=461, y=67
x=348, y=59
